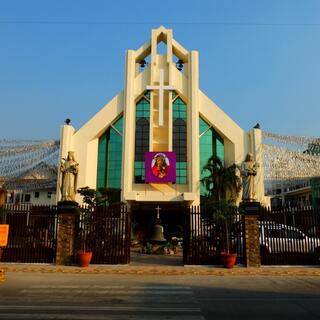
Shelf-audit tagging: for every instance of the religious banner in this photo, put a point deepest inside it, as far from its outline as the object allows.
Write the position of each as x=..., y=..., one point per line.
x=160, y=167
x=4, y=232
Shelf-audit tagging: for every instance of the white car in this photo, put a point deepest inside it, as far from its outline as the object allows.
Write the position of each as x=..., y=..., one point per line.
x=281, y=238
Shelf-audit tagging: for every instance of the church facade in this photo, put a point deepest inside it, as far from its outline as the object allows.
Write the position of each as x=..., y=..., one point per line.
x=160, y=113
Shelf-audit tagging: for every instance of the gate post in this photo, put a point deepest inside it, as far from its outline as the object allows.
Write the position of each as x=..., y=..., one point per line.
x=67, y=212
x=186, y=235
x=251, y=234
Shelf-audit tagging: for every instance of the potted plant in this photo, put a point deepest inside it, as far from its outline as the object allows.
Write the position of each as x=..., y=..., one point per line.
x=223, y=187
x=91, y=199
x=223, y=213
x=84, y=255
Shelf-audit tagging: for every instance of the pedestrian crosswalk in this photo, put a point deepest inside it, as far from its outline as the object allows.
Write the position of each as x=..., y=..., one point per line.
x=154, y=302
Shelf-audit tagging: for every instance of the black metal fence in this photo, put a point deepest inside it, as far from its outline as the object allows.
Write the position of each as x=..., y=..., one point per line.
x=290, y=236
x=32, y=233
x=205, y=237
x=106, y=232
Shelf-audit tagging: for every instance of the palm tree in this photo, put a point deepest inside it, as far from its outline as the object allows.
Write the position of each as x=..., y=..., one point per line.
x=221, y=180
x=222, y=183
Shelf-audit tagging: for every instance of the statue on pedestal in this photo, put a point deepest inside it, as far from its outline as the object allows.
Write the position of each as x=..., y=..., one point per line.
x=249, y=169
x=69, y=169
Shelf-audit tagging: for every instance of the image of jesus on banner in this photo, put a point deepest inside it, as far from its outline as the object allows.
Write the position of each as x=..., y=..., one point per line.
x=160, y=165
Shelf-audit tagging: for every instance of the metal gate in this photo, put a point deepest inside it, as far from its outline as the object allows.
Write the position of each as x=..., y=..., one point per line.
x=290, y=236
x=107, y=233
x=32, y=233
x=205, y=237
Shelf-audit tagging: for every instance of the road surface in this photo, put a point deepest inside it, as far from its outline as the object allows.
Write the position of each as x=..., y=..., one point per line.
x=132, y=297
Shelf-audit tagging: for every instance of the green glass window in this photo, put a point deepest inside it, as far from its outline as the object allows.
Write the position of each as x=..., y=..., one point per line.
x=110, y=157
x=219, y=147
x=179, y=136
x=210, y=144
x=102, y=162
x=142, y=137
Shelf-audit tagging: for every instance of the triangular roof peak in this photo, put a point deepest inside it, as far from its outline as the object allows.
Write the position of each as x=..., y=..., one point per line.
x=162, y=29
x=165, y=35
x=161, y=34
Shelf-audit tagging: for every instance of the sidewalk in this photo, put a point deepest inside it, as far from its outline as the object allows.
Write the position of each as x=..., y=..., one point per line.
x=164, y=265
x=296, y=271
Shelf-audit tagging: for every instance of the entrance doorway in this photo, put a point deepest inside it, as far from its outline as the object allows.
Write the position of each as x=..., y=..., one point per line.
x=146, y=251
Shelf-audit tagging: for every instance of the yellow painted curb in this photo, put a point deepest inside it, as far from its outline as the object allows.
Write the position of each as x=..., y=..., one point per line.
x=2, y=276
x=141, y=271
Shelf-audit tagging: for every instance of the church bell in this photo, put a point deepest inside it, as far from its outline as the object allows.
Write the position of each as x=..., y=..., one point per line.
x=157, y=232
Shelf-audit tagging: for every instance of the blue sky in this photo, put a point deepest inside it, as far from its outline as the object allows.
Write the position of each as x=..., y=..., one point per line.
x=259, y=60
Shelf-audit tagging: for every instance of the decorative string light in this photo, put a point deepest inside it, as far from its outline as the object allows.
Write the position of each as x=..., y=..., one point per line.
x=31, y=184
x=284, y=159
x=283, y=163
x=21, y=156
x=18, y=157
x=14, y=142
x=301, y=141
x=13, y=150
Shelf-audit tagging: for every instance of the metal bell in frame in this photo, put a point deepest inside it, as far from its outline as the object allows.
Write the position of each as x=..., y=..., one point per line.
x=157, y=232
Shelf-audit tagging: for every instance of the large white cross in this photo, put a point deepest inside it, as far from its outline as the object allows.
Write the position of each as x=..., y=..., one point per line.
x=161, y=87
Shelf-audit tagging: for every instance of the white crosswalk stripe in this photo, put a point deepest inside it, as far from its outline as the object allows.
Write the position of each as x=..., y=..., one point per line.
x=75, y=287
x=161, y=287
x=32, y=316
x=108, y=292
x=102, y=302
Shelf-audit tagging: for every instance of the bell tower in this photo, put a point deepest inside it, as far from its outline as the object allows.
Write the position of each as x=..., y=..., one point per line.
x=166, y=75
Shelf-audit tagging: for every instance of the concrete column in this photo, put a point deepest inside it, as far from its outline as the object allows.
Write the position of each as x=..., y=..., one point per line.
x=193, y=126
x=128, y=128
x=252, y=234
x=65, y=251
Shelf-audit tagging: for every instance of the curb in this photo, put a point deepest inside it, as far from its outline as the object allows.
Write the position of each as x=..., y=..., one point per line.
x=2, y=276
x=168, y=271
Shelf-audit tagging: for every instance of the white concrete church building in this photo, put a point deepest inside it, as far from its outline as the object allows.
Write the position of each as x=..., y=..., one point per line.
x=161, y=109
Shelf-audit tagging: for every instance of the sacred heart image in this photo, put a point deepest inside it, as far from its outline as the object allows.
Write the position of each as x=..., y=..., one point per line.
x=160, y=166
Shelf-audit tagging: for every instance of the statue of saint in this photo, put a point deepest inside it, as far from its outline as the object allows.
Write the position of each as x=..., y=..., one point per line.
x=249, y=170
x=69, y=169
